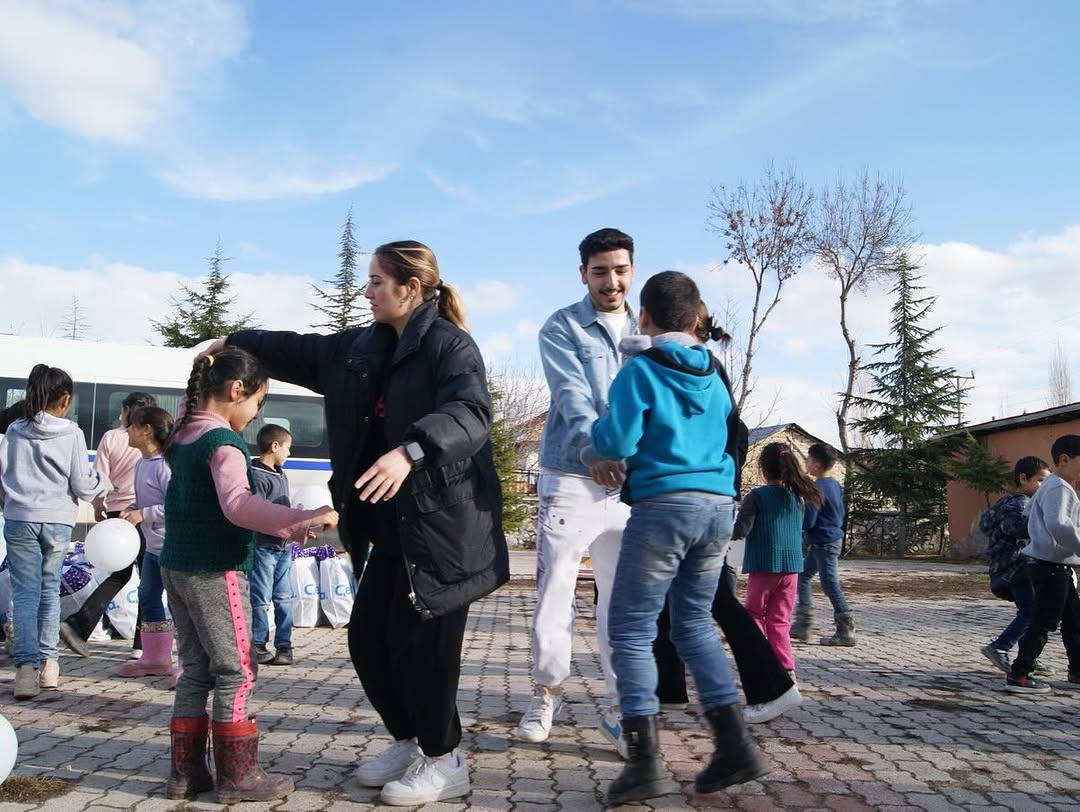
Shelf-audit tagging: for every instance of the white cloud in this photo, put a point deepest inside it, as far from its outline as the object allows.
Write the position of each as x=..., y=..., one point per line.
x=246, y=180
x=113, y=70
x=493, y=296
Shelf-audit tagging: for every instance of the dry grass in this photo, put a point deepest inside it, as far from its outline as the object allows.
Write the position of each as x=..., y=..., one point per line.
x=24, y=789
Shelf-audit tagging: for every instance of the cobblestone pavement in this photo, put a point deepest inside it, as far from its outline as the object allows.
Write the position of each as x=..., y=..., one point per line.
x=913, y=718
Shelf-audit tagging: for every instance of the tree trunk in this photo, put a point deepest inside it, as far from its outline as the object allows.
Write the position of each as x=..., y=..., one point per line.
x=853, y=371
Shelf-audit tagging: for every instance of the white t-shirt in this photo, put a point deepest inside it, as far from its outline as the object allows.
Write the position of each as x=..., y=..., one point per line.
x=616, y=324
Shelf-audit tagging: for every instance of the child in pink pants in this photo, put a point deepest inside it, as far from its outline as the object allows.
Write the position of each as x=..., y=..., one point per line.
x=770, y=519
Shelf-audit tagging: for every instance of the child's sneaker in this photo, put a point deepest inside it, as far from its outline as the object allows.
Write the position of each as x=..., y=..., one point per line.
x=263, y=655
x=1041, y=670
x=390, y=765
x=282, y=657
x=999, y=658
x=1025, y=685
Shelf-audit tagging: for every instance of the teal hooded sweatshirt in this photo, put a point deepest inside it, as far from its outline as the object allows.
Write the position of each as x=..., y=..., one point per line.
x=668, y=421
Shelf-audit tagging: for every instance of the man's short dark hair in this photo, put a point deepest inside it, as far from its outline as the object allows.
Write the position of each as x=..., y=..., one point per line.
x=823, y=454
x=1028, y=466
x=268, y=435
x=673, y=301
x=1065, y=444
x=606, y=239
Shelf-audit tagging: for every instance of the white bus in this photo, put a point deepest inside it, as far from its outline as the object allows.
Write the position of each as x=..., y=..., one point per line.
x=104, y=374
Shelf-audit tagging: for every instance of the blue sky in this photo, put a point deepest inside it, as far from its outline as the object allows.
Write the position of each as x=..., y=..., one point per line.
x=134, y=134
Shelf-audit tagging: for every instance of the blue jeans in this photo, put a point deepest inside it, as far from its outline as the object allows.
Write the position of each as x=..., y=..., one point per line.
x=673, y=548
x=151, y=588
x=1024, y=598
x=35, y=553
x=269, y=579
x=823, y=559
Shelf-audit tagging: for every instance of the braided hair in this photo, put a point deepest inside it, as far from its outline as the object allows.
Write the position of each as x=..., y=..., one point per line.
x=212, y=376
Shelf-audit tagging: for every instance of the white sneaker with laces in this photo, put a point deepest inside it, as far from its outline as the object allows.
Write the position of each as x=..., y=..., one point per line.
x=429, y=779
x=535, y=724
x=766, y=711
x=611, y=727
x=389, y=765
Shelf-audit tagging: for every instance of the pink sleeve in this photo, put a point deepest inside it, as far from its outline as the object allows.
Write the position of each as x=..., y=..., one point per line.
x=101, y=459
x=228, y=467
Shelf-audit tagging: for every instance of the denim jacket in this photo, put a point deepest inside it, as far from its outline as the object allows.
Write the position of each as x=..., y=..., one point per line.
x=580, y=362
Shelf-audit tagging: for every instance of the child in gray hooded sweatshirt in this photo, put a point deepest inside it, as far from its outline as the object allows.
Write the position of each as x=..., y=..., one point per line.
x=1053, y=551
x=44, y=472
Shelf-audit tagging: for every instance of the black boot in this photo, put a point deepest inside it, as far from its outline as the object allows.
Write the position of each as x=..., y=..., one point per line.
x=736, y=758
x=644, y=775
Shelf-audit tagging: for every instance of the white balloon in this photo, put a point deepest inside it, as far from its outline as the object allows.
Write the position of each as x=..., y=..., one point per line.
x=112, y=544
x=9, y=748
x=312, y=497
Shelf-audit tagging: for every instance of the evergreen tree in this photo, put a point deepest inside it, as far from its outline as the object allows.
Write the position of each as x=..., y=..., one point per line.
x=201, y=315
x=980, y=470
x=909, y=403
x=515, y=508
x=342, y=302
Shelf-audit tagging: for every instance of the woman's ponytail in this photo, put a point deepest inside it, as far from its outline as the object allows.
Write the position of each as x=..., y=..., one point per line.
x=451, y=307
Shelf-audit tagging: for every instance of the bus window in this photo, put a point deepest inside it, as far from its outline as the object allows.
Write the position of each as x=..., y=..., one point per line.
x=302, y=416
x=109, y=402
x=12, y=390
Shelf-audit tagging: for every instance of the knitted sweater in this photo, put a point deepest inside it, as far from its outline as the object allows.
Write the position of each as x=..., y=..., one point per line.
x=770, y=519
x=198, y=537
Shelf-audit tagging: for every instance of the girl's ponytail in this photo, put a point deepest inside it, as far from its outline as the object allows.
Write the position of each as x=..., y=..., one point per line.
x=778, y=462
x=45, y=386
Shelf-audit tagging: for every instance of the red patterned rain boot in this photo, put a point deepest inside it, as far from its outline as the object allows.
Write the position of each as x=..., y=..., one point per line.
x=239, y=776
x=190, y=772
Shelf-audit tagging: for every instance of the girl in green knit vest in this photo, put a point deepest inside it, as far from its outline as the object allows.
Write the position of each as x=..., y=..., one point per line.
x=770, y=519
x=209, y=547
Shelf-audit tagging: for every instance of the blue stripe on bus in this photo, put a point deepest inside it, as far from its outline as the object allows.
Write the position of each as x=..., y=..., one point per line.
x=295, y=465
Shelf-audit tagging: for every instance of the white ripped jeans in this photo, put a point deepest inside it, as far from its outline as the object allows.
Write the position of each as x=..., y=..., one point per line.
x=576, y=515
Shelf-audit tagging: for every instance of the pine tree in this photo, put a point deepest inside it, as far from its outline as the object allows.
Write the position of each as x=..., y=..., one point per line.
x=515, y=508
x=342, y=302
x=75, y=324
x=980, y=470
x=909, y=403
x=201, y=315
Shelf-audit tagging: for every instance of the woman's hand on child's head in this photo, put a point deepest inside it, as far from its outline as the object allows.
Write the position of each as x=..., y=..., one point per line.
x=133, y=516
x=326, y=518
x=212, y=349
x=382, y=481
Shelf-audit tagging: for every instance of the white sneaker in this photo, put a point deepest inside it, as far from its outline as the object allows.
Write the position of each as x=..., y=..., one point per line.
x=766, y=711
x=389, y=765
x=428, y=780
x=611, y=727
x=535, y=724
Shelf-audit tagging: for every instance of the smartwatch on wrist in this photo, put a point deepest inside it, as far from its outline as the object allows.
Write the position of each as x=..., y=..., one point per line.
x=415, y=453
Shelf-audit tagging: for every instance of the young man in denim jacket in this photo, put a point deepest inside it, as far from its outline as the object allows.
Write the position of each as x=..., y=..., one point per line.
x=579, y=351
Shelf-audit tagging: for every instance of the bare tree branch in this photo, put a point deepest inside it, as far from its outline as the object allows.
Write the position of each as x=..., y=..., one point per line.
x=766, y=230
x=1060, y=382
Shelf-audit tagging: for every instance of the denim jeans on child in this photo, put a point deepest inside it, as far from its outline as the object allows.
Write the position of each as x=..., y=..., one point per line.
x=673, y=548
x=823, y=559
x=151, y=588
x=35, y=554
x=270, y=585
x=1024, y=598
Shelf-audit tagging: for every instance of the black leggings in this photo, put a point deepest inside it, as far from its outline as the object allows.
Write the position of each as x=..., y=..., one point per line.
x=763, y=678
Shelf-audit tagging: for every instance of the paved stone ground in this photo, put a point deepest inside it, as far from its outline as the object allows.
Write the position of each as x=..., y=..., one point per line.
x=911, y=719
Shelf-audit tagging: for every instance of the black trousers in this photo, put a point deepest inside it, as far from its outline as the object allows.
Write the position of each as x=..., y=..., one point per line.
x=84, y=621
x=763, y=678
x=409, y=667
x=1056, y=602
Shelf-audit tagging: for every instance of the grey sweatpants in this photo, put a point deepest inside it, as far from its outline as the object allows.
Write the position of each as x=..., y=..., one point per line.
x=212, y=613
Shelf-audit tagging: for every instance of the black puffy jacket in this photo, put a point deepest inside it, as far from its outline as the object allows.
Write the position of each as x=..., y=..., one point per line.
x=449, y=510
